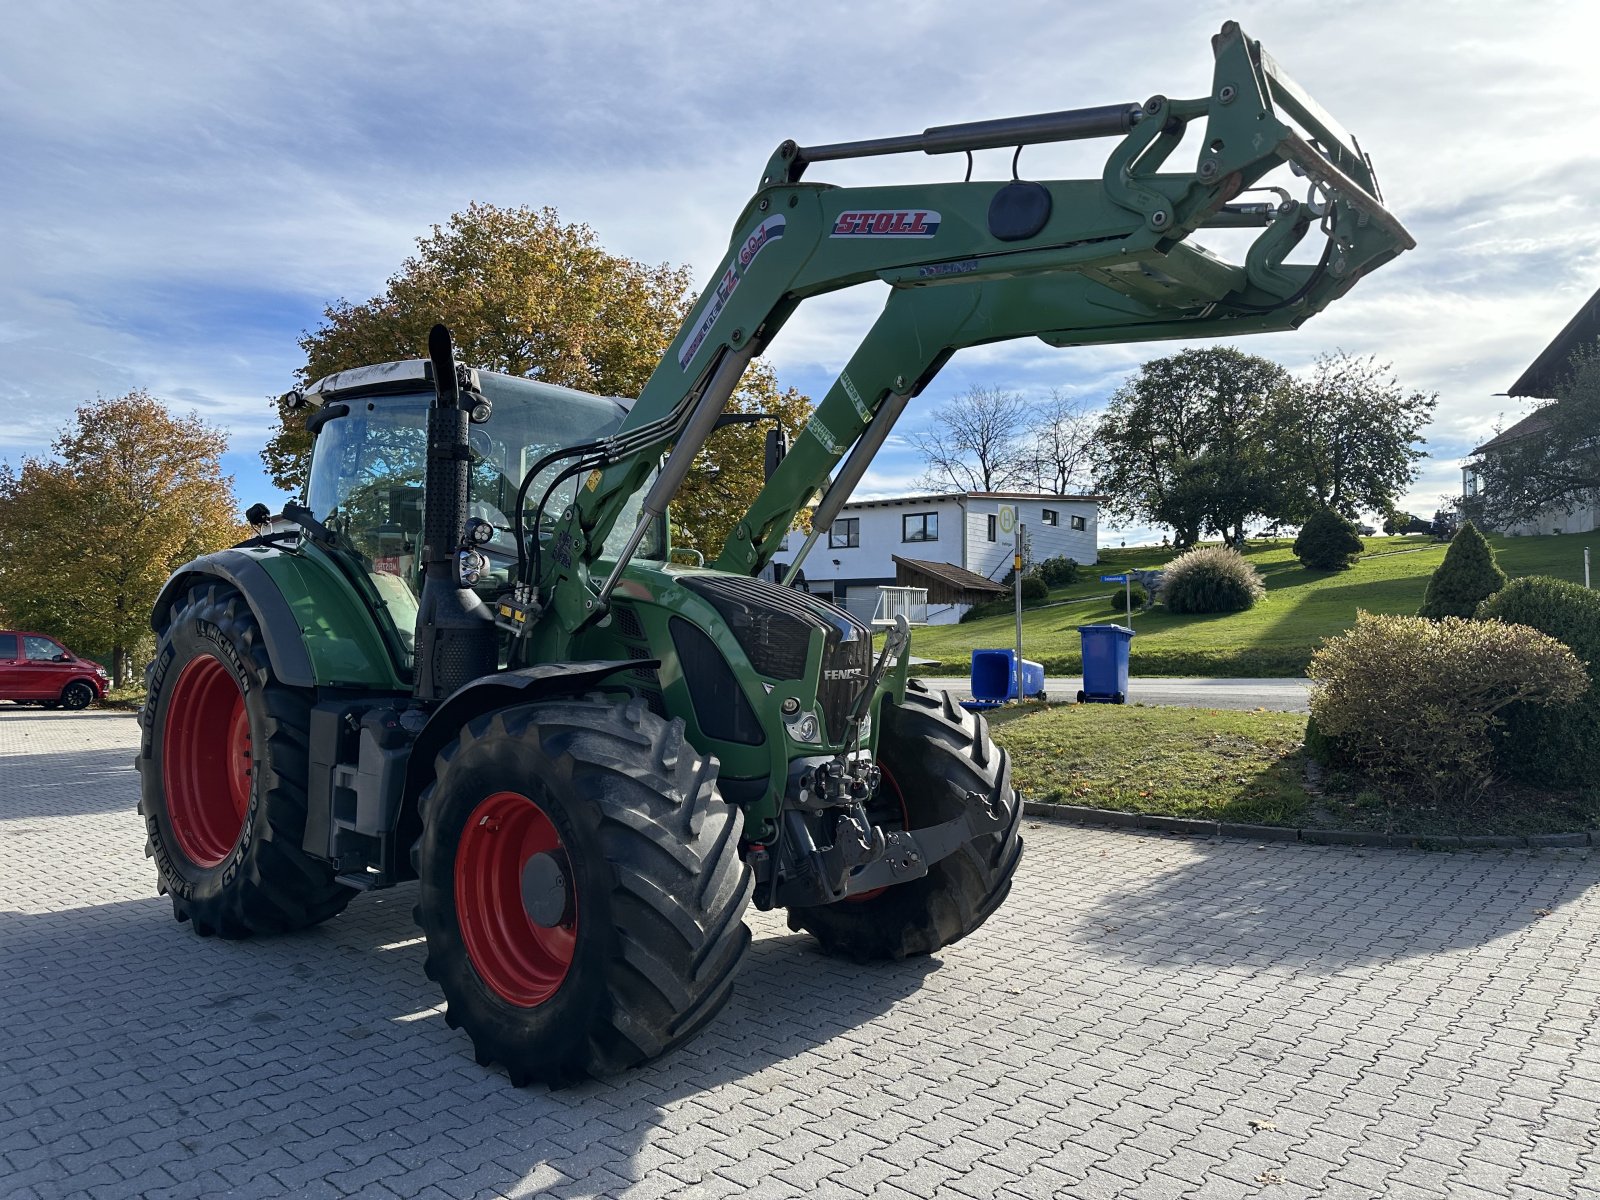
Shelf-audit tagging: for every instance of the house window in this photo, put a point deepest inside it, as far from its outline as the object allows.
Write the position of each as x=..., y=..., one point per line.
x=1050, y=517
x=994, y=525
x=844, y=533
x=919, y=527
x=1079, y=523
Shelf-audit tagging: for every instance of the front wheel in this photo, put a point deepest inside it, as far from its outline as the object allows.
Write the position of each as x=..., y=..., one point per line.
x=582, y=891
x=933, y=754
x=77, y=695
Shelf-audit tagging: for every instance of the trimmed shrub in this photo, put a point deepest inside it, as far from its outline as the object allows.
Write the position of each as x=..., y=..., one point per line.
x=1211, y=579
x=1120, y=598
x=1468, y=576
x=1418, y=703
x=1327, y=542
x=1034, y=591
x=1559, y=746
x=1059, y=571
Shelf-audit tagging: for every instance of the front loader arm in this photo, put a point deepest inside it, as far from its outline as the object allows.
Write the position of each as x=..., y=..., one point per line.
x=1073, y=262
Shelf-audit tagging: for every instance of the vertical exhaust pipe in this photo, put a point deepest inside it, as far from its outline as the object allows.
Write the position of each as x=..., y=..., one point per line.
x=455, y=638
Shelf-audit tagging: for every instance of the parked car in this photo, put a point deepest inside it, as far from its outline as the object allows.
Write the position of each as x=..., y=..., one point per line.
x=40, y=669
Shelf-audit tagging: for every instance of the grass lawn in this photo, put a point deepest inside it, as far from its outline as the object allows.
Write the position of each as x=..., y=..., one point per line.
x=1274, y=638
x=1220, y=765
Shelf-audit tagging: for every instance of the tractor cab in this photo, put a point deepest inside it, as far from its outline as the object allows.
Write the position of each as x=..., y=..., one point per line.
x=370, y=456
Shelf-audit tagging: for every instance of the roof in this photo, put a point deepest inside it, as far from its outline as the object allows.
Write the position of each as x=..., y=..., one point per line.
x=962, y=497
x=946, y=582
x=1546, y=371
x=1532, y=423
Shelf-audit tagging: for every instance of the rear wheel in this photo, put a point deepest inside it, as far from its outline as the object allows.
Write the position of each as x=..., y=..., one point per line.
x=224, y=765
x=582, y=890
x=933, y=754
x=78, y=694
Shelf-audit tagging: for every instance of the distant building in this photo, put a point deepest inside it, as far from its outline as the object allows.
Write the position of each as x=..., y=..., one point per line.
x=949, y=543
x=1540, y=382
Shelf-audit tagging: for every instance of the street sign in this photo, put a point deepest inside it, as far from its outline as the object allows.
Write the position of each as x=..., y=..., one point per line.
x=1008, y=519
x=1113, y=579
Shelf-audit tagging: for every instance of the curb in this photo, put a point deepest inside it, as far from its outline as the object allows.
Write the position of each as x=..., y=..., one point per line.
x=1113, y=819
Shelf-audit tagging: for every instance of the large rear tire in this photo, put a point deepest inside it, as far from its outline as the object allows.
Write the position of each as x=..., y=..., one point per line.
x=223, y=769
x=933, y=754
x=609, y=817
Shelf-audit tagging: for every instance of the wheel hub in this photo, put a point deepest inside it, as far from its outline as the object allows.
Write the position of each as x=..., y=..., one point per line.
x=546, y=894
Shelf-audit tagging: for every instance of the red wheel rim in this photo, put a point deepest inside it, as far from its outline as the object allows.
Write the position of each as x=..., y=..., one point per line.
x=521, y=962
x=905, y=816
x=205, y=761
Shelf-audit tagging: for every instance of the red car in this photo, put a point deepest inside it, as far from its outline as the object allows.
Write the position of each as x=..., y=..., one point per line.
x=40, y=669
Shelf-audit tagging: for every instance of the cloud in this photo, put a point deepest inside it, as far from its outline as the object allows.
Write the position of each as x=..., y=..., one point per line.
x=188, y=187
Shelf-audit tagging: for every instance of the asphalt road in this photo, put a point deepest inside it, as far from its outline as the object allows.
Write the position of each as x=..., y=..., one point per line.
x=1146, y=1018
x=1284, y=695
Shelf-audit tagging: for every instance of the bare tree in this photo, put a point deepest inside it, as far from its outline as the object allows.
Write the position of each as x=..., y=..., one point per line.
x=1060, y=458
x=976, y=442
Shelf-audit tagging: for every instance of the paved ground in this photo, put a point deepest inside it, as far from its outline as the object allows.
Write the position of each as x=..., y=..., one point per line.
x=1286, y=695
x=1148, y=1017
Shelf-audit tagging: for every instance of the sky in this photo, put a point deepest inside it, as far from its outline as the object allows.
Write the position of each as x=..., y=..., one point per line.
x=186, y=185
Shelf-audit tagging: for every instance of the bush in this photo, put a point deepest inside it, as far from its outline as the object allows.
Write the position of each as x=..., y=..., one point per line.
x=1210, y=579
x=1327, y=542
x=1035, y=591
x=1467, y=576
x=1558, y=746
x=1059, y=571
x=1417, y=703
x=1120, y=598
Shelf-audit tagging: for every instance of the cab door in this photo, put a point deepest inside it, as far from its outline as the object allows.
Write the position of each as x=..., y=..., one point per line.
x=43, y=669
x=9, y=682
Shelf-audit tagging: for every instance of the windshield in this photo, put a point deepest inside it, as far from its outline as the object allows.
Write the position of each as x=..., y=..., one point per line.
x=367, y=474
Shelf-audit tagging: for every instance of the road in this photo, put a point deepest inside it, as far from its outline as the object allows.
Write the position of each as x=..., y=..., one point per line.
x=1285, y=695
x=1147, y=1017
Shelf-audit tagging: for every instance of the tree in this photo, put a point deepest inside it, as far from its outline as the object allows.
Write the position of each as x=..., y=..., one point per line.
x=525, y=294
x=729, y=470
x=1061, y=444
x=1327, y=542
x=976, y=442
x=1467, y=576
x=1180, y=443
x=1346, y=439
x=1553, y=461
x=87, y=540
x=522, y=293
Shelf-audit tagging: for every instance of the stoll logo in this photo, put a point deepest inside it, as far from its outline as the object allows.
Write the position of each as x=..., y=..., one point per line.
x=887, y=223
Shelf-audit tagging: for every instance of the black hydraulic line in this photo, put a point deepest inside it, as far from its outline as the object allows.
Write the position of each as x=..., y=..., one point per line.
x=1074, y=124
x=1312, y=280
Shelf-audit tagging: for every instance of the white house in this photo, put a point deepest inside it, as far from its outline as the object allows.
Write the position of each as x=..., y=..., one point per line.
x=874, y=544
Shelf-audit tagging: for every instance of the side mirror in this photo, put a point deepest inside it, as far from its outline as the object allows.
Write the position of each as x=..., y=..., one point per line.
x=777, y=448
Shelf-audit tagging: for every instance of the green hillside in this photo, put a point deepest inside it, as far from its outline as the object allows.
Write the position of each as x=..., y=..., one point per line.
x=1276, y=637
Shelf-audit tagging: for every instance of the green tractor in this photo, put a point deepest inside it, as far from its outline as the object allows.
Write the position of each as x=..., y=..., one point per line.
x=469, y=658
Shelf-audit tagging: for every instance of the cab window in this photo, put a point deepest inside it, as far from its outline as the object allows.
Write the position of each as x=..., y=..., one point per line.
x=41, y=649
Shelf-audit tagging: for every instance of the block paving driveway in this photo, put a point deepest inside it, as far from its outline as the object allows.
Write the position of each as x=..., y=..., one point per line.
x=1148, y=1017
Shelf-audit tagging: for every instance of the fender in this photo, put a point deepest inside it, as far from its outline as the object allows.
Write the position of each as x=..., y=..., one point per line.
x=489, y=693
x=279, y=629
x=319, y=631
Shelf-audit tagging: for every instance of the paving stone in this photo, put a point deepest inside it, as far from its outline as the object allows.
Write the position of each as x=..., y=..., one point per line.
x=1395, y=1023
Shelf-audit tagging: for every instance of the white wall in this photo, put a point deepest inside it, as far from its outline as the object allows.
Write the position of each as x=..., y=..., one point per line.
x=993, y=559
x=880, y=541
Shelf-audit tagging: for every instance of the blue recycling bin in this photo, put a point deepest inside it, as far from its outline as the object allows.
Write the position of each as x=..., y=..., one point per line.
x=994, y=678
x=1105, y=663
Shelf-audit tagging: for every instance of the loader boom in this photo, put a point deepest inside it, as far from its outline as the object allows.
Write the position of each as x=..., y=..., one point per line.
x=1072, y=262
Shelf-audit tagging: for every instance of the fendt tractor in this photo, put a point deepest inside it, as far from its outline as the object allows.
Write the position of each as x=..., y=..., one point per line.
x=469, y=657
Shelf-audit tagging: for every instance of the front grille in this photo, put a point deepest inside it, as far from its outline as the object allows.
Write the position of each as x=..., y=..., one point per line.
x=772, y=625
x=845, y=666
x=775, y=625
x=719, y=702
